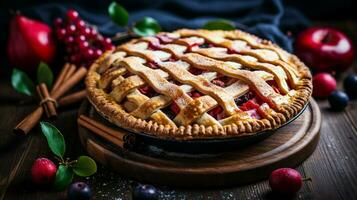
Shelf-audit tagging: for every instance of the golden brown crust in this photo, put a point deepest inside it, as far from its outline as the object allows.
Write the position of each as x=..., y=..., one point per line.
x=232, y=126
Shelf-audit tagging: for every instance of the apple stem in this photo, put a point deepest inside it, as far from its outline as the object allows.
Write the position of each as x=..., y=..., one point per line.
x=327, y=38
x=307, y=179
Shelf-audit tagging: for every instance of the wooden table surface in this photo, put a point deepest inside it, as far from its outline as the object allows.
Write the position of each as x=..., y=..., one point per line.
x=332, y=167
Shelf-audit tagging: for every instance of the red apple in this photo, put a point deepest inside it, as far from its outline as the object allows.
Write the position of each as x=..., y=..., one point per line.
x=325, y=49
x=43, y=171
x=29, y=42
x=323, y=85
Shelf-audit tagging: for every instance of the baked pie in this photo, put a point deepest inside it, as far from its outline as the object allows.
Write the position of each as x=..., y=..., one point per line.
x=198, y=84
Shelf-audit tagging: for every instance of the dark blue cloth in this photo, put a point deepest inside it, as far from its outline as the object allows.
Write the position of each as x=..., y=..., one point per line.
x=266, y=18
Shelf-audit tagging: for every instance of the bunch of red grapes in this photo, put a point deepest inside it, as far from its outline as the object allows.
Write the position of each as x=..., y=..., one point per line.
x=83, y=44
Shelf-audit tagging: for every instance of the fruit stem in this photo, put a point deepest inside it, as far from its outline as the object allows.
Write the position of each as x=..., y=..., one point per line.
x=307, y=179
x=327, y=38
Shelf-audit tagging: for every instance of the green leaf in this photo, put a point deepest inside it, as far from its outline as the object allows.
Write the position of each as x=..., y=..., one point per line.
x=85, y=166
x=118, y=14
x=54, y=138
x=22, y=83
x=64, y=176
x=219, y=25
x=44, y=74
x=147, y=26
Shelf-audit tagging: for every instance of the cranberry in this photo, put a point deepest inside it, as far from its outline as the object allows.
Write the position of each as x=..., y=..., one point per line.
x=71, y=29
x=72, y=15
x=98, y=52
x=89, y=53
x=83, y=46
x=43, y=171
x=87, y=32
x=69, y=40
x=80, y=25
x=61, y=33
x=285, y=180
x=58, y=22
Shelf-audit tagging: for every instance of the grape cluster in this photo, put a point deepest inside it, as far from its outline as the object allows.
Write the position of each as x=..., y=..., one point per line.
x=82, y=42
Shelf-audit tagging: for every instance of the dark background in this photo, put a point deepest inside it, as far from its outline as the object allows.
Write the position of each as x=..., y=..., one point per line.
x=270, y=19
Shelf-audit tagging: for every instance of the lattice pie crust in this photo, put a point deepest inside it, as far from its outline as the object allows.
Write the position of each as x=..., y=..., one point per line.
x=195, y=84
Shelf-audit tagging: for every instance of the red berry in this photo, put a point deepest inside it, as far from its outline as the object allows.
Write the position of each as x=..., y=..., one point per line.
x=80, y=25
x=110, y=47
x=43, y=171
x=87, y=32
x=58, y=22
x=93, y=33
x=72, y=15
x=80, y=39
x=285, y=180
x=89, y=53
x=98, y=52
x=323, y=84
x=69, y=40
x=61, y=33
x=83, y=45
x=71, y=29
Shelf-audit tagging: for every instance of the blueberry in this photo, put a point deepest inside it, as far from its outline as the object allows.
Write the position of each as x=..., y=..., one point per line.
x=350, y=84
x=79, y=191
x=147, y=192
x=338, y=100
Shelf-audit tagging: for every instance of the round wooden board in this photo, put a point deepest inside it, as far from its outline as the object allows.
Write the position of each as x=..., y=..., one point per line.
x=287, y=147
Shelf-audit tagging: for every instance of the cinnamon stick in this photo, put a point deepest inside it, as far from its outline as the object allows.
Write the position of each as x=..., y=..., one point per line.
x=114, y=136
x=29, y=122
x=61, y=76
x=72, y=98
x=69, y=83
x=60, y=87
x=47, y=103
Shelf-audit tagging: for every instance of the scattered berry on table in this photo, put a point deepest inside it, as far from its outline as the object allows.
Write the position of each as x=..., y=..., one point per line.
x=350, y=85
x=147, y=192
x=79, y=191
x=285, y=180
x=43, y=171
x=323, y=85
x=338, y=100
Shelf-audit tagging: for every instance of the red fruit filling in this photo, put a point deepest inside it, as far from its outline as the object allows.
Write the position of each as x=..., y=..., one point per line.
x=174, y=107
x=218, y=82
x=148, y=91
x=217, y=113
x=165, y=39
x=126, y=75
x=249, y=105
x=195, y=71
x=152, y=65
x=153, y=46
x=273, y=84
x=231, y=51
